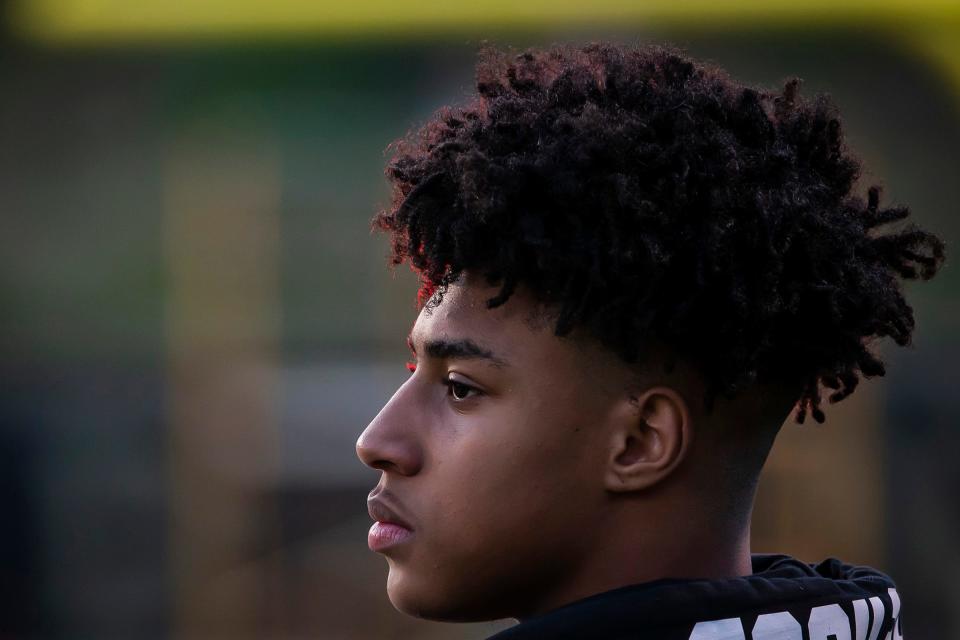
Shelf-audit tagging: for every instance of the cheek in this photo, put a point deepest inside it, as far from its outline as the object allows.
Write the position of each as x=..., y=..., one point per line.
x=509, y=491
x=502, y=501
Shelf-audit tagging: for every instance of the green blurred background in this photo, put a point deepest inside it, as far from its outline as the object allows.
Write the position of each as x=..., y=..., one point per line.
x=196, y=323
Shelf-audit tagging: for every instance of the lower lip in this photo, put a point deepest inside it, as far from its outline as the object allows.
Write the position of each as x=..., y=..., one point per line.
x=383, y=535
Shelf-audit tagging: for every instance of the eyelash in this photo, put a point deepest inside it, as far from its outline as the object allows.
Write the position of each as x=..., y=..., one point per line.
x=449, y=384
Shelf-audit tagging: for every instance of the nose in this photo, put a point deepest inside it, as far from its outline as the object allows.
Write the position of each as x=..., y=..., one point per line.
x=391, y=442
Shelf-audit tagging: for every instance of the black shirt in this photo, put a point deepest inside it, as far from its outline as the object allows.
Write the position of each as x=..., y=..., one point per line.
x=784, y=599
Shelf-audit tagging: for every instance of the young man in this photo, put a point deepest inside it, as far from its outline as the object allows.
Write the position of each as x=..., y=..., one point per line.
x=633, y=270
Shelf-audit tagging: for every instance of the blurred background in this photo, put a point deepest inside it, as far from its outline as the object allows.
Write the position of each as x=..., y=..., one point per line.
x=196, y=322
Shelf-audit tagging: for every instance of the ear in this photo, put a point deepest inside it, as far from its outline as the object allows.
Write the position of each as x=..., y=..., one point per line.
x=650, y=435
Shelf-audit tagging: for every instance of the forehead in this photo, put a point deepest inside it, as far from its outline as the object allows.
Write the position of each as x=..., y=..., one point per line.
x=463, y=313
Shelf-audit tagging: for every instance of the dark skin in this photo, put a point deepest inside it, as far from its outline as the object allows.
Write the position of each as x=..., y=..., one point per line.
x=541, y=470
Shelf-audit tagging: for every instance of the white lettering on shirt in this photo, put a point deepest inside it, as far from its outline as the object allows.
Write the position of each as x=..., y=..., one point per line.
x=826, y=622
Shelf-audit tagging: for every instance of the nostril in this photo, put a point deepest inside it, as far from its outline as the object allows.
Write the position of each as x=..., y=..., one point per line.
x=382, y=465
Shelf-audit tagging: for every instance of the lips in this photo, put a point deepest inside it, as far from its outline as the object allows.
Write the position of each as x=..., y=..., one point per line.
x=381, y=511
x=390, y=529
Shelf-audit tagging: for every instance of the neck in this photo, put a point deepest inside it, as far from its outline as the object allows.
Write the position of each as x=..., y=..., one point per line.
x=645, y=545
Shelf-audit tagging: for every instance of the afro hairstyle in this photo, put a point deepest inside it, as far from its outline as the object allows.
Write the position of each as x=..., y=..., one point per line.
x=642, y=194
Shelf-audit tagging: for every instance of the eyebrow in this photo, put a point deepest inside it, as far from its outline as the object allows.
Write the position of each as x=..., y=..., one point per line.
x=463, y=348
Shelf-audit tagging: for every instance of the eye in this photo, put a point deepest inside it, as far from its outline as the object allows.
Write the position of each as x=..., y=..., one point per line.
x=459, y=390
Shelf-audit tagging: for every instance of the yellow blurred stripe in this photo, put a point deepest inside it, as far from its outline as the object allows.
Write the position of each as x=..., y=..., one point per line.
x=930, y=27
x=65, y=21
x=941, y=47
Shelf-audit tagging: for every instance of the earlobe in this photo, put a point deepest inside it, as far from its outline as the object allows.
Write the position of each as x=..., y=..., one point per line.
x=650, y=435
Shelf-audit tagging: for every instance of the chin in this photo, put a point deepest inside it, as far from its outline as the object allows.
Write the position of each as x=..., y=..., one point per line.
x=431, y=600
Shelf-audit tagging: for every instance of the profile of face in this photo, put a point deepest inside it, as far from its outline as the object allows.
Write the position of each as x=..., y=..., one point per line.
x=495, y=452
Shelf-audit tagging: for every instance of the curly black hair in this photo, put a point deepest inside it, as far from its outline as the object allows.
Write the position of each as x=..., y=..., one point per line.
x=644, y=194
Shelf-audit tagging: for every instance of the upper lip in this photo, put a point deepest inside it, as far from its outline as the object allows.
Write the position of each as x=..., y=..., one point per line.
x=381, y=511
